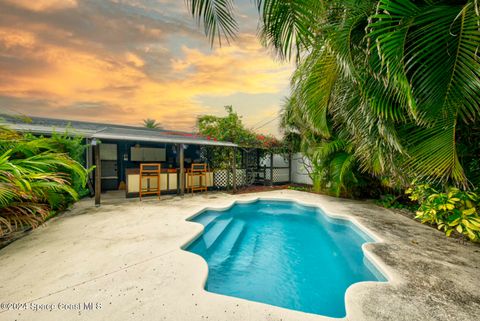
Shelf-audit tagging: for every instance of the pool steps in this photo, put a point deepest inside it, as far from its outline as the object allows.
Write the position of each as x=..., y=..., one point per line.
x=221, y=237
x=205, y=220
x=226, y=242
x=215, y=229
x=250, y=249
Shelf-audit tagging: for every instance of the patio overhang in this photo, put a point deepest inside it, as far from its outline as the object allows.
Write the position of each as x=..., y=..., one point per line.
x=112, y=133
x=161, y=139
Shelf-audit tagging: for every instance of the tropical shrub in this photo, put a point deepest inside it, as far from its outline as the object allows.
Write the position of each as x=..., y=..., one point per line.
x=74, y=146
x=452, y=210
x=32, y=175
x=230, y=128
x=396, y=201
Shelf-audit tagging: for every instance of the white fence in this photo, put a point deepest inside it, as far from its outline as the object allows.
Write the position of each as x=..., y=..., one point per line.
x=300, y=165
x=299, y=169
x=280, y=168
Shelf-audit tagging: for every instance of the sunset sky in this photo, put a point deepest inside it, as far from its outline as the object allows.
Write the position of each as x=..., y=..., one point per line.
x=121, y=61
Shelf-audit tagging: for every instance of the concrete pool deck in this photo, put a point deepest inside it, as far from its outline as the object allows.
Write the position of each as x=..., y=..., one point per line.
x=125, y=259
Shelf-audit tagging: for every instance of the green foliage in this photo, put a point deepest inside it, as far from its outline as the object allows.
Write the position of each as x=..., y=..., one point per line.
x=299, y=188
x=395, y=201
x=231, y=129
x=286, y=26
x=359, y=98
x=151, y=123
x=420, y=192
x=467, y=138
x=452, y=210
x=33, y=173
x=218, y=18
x=74, y=146
x=387, y=201
x=384, y=89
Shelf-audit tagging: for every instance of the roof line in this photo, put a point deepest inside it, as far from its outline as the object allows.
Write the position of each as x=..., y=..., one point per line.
x=40, y=129
x=105, y=125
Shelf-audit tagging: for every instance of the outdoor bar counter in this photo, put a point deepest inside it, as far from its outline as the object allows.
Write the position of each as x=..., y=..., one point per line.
x=169, y=178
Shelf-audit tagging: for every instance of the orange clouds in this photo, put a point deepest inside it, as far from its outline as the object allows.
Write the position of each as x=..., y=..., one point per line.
x=43, y=5
x=10, y=38
x=134, y=59
x=228, y=70
x=66, y=73
x=71, y=75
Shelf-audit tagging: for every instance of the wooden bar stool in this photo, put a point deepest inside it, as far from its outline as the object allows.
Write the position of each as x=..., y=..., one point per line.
x=150, y=172
x=197, y=170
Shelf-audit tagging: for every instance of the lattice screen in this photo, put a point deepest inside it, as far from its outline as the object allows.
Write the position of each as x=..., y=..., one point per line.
x=248, y=170
x=223, y=179
x=280, y=175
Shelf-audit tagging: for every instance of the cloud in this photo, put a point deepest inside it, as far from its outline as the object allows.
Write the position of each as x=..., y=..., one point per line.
x=14, y=38
x=244, y=67
x=134, y=59
x=44, y=5
x=119, y=62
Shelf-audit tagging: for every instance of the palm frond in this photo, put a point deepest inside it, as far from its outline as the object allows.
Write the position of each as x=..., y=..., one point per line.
x=433, y=153
x=288, y=26
x=313, y=86
x=341, y=172
x=217, y=16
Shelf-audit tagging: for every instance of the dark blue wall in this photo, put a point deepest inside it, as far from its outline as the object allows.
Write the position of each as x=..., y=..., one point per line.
x=192, y=154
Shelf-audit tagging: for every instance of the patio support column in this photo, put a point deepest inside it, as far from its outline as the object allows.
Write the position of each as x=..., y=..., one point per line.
x=271, y=169
x=289, y=167
x=98, y=172
x=87, y=156
x=234, y=170
x=181, y=159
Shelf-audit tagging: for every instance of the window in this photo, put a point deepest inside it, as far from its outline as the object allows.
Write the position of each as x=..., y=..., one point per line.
x=147, y=154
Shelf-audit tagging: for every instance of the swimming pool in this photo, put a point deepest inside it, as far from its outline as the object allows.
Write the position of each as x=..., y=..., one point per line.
x=284, y=254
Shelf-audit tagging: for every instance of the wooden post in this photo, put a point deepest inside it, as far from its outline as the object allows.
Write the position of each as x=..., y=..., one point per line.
x=289, y=167
x=271, y=169
x=181, y=157
x=98, y=173
x=88, y=156
x=234, y=170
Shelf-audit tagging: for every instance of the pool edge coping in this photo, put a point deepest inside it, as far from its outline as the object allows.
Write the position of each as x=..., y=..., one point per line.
x=392, y=278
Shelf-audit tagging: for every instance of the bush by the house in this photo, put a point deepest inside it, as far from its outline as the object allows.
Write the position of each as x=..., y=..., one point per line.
x=35, y=179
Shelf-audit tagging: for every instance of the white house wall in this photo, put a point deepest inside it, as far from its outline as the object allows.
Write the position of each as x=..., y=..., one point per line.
x=299, y=172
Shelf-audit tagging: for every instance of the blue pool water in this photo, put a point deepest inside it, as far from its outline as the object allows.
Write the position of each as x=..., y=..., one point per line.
x=283, y=254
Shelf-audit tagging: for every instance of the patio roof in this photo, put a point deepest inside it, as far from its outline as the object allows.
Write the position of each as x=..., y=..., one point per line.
x=41, y=125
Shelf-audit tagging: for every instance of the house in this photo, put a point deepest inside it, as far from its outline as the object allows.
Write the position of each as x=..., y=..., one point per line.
x=118, y=150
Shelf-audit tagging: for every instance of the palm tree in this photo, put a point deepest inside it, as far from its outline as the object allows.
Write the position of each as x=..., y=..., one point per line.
x=151, y=123
x=393, y=78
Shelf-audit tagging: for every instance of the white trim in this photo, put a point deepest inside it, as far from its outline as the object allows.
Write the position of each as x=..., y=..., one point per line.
x=172, y=140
